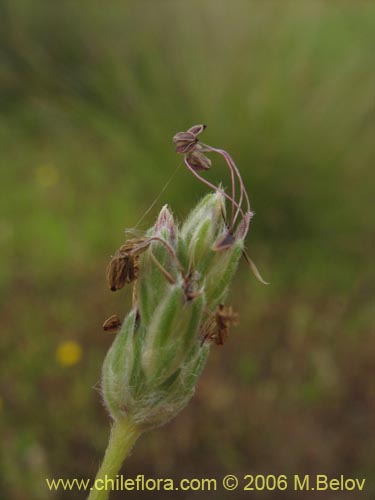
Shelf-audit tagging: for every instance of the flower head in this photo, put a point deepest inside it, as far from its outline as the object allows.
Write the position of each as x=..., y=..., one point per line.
x=181, y=277
x=151, y=370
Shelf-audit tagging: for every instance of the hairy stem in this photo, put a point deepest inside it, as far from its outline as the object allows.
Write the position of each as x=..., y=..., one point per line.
x=123, y=436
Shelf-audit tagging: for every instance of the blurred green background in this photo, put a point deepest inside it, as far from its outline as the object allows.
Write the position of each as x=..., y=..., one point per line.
x=91, y=95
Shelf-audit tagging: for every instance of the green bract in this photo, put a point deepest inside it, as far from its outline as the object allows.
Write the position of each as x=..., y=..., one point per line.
x=152, y=367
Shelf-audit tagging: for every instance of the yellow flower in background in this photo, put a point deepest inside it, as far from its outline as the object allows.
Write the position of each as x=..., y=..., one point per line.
x=46, y=176
x=68, y=353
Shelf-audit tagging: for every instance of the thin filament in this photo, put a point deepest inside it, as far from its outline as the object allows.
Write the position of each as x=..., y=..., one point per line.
x=233, y=166
x=215, y=188
x=157, y=198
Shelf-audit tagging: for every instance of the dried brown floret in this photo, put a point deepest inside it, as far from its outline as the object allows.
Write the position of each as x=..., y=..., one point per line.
x=216, y=328
x=123, y=268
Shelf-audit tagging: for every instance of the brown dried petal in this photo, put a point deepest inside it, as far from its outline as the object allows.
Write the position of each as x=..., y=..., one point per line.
x=254, y=268
x=112, y=324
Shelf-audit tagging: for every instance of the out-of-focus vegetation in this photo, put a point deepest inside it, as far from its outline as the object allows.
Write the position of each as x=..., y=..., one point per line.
x=91, y=94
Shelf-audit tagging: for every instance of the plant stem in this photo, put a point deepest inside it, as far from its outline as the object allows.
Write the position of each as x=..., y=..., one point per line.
x=123, y=436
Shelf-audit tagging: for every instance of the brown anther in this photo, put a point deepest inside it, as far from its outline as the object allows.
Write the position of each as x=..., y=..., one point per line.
x=112, y=324
x=184, y=142
x=198, y=161
x=197, y=129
